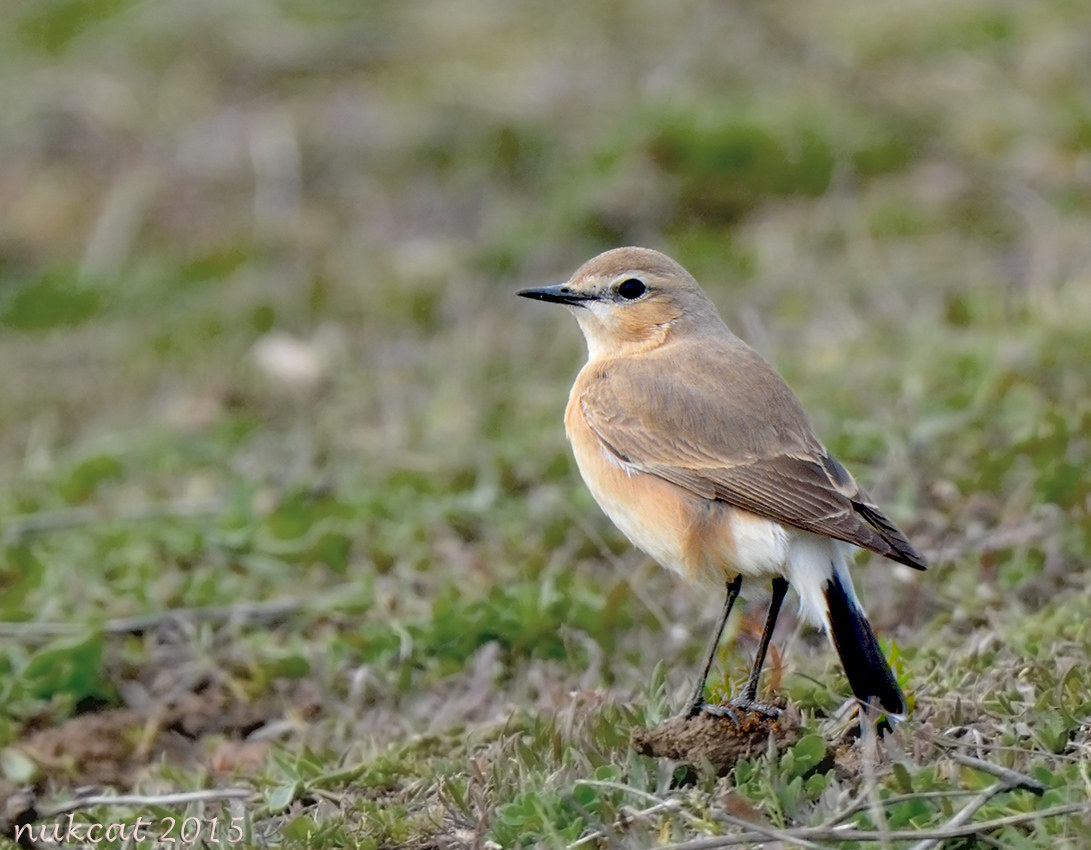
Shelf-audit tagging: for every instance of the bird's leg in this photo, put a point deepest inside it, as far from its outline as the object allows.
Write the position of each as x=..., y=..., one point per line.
x=697, y=701
x=780, y=589
x=749, y=700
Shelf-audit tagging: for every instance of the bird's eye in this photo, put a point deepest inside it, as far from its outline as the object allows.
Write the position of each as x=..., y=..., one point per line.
x=631, y=289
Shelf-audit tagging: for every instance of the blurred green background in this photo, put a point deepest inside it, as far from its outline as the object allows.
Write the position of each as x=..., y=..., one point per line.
x=258, y=344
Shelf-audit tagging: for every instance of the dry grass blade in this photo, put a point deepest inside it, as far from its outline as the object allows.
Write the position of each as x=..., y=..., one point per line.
x=964, y=814
x=892, y=800
x=181, y=798
x=667, y=806
x=784, y=836
x=871, y=781
x=1010, y=778
x=242, y=612
x=18, y=527
x=266, y=613
x=848, y=834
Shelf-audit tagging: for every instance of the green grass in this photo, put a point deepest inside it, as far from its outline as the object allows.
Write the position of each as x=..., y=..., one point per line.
x=261, y=365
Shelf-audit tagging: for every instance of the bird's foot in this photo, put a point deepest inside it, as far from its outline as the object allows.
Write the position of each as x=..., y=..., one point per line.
x=724, y=710
x=734, y=709
x=745, y=704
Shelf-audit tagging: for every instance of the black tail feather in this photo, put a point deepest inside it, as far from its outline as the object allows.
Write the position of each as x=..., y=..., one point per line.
x=867, y=669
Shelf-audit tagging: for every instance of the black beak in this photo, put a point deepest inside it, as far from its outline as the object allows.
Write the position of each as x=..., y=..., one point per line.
x=560, y=294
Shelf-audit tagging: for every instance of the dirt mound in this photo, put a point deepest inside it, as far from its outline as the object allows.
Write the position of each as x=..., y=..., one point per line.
x=719, y=741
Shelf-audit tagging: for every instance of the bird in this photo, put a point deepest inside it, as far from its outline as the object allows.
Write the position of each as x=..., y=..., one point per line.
x=700, y=453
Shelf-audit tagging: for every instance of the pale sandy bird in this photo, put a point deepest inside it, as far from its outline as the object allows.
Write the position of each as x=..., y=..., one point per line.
x=700, y=453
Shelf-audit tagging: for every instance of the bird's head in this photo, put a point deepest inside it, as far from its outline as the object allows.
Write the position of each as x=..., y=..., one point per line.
x=631, y=299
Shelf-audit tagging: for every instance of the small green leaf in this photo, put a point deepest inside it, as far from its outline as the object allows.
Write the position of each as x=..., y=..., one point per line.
x=807, y=754
x=282, y=796
x=86, y=478
x=584, y=795
x=299, y=829
x=607, y=773
x=902, y=777
x=71, y=668
x=289, y=667
x=50, y=302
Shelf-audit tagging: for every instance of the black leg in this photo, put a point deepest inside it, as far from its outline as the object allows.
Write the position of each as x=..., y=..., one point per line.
x=693, y=708
x=780, y=588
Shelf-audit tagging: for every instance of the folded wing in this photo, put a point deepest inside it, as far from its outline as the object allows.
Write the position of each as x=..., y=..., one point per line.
x=744, y=442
